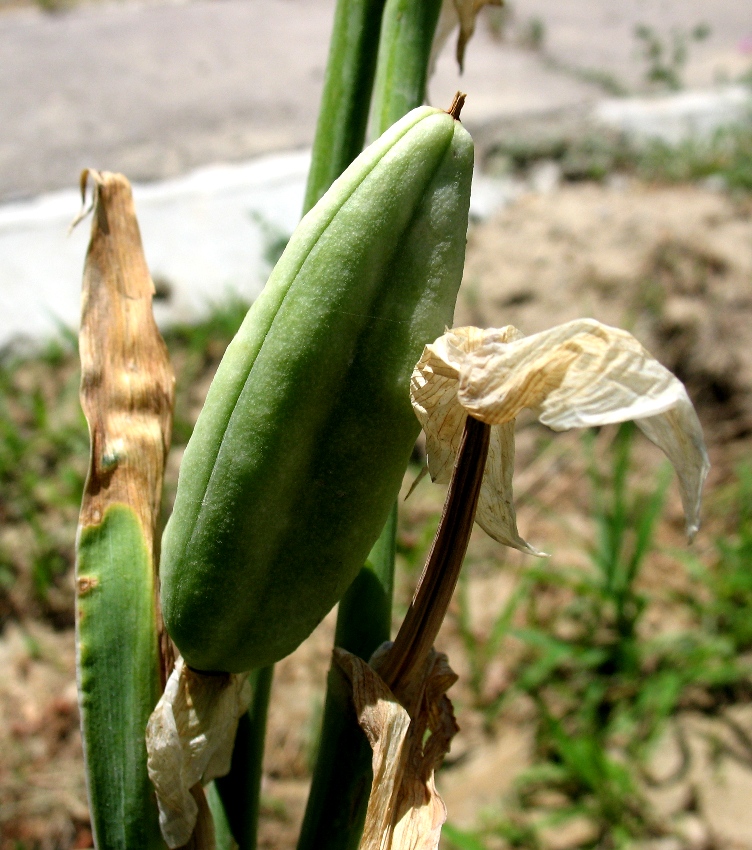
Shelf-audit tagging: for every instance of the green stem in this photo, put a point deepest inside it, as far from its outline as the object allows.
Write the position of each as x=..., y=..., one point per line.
x=342, y=777
x=223, y=839
x=343, y=115
x=407, y=31
x=240, y=789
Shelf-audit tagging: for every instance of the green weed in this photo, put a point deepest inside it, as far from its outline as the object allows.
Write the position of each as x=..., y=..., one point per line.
x=505, y=26
x=729, y=581
x=599, y=690
x=718, y=651
x=600, y=693
x=726, y=157
x=480, y=649
x=43, y=450
x=665, y=57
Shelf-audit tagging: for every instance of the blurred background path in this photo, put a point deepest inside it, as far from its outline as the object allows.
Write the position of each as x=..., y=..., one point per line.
x=163, y=91
x=155, y=89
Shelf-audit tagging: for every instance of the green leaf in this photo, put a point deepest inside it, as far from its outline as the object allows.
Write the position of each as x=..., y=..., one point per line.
x=118, y=678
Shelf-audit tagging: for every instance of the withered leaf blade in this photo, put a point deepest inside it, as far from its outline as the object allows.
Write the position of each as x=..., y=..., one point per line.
x=127, y=390
x=127, y=382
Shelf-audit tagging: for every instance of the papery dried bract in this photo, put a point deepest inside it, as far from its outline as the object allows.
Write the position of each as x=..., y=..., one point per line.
x=405, y=812
x=575, y=375
x=189, y=740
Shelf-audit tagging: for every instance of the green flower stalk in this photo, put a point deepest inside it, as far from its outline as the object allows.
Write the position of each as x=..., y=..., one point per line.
x=407, y=36
x=343, y=115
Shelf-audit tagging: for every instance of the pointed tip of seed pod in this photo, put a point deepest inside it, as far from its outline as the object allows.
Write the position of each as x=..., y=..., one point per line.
x=457, y=104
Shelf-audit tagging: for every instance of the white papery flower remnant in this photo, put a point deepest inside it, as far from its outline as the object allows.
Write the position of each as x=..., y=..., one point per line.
x=189, y=740
x=576, y=375
x=458, y=14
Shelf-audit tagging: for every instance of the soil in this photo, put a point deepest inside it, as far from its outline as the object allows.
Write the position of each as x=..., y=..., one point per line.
x=673, y=265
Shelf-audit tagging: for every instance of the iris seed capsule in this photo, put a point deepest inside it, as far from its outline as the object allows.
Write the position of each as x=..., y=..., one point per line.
x=307, y=429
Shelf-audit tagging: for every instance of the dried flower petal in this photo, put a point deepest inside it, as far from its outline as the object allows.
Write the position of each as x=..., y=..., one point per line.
x=433, y=388
x=496, y=514
x=189, y=740
x=575, y=375
x=464, y=13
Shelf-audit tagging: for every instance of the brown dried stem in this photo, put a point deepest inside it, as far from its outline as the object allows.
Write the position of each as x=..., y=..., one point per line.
x=441, y=572
x=457, y=104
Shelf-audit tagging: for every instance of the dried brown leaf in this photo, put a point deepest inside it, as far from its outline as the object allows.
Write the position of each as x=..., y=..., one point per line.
x=127, y=383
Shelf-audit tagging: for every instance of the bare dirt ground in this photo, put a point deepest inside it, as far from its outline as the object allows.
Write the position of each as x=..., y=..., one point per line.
x=671, y=264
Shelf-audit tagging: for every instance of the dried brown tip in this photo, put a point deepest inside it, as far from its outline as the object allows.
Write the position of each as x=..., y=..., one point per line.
x=127, y=382
x=457, y=104
x=83, y=182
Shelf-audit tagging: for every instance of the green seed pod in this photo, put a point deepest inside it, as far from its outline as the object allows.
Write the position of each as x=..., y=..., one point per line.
x=301, y=446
